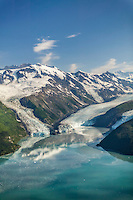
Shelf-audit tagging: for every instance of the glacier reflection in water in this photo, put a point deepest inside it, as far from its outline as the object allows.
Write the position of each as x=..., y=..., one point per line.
x=64, y=167
x=77, y=172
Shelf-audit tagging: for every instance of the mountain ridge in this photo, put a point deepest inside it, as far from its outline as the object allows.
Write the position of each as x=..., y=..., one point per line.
x=52, y=94
x=43, y=95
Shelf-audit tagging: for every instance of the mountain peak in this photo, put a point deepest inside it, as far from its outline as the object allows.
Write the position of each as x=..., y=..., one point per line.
x=27, y=79
x=16, y=66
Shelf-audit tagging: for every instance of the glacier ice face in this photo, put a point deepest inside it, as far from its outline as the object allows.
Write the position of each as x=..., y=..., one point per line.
x=125, y=117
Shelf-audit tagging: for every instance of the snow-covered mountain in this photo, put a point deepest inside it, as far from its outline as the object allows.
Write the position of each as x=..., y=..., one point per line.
x=53, y=94
x=27, y=79
x=124, y=75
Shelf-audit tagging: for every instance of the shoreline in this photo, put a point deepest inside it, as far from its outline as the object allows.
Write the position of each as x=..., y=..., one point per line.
x=54, y=128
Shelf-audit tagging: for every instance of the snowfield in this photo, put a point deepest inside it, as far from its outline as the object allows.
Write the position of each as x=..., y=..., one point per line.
x=19, y=82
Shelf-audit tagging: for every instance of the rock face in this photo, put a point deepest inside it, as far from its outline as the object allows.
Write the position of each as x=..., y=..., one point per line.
x=120, y=140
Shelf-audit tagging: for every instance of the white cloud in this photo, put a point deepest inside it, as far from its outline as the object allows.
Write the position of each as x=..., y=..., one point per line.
x=72, y=36
x=44, y=45
x=47, y=58
x=127, y=67
x=112, y=66
x=73, y=68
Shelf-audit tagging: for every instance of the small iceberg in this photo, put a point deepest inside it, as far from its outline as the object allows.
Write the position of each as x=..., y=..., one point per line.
x=38, y=134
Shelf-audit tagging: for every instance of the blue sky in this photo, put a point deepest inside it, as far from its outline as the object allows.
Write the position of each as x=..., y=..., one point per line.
x=90, y=35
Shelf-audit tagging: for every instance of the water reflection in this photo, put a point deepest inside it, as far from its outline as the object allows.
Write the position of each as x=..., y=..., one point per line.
x=127, y=158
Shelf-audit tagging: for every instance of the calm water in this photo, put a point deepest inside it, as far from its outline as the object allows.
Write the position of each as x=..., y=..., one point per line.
x=66, y=171
x=76, y=172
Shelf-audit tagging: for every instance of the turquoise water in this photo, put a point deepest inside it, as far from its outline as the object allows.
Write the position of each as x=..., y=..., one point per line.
x=54, y=170
x=76, y=172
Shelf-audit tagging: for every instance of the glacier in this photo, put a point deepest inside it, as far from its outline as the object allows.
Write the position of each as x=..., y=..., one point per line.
x=75, y=123
x=126, y=116
x=73, y=132
x=29, y=80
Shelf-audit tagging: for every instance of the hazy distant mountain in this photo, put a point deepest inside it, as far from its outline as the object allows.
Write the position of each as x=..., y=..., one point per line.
x=16, y=66
x=125, y=75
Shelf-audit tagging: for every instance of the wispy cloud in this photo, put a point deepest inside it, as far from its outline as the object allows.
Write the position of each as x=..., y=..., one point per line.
x=124, y=66
x=112, y=66
x=73, y=68
x=73, y=35
x=44, y=45
x=47, y=58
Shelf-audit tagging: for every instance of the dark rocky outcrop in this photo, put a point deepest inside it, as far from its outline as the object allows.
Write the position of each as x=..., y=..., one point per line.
x=120, y=140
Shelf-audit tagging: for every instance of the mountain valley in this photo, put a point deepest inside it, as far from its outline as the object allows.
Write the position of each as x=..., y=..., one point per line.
x=42, y=96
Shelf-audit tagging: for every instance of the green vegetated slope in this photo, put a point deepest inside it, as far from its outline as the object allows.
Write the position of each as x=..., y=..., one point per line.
x=113, y=115
x=120, y=140
x=53, y=106
x=11, y=131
